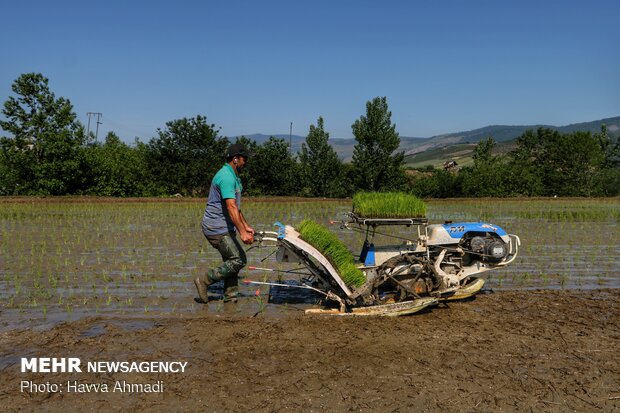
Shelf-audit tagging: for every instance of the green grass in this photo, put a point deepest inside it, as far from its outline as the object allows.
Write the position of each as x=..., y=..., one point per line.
x=334, y=249
x=388, y=205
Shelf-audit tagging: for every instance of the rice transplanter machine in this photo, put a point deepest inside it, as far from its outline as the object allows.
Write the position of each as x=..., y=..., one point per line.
x=432, y=263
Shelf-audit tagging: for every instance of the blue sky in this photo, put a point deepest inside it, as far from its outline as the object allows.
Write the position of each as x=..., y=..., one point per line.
x=255, y=66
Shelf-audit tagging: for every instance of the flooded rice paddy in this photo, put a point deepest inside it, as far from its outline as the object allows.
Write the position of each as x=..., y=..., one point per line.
x=63, y=259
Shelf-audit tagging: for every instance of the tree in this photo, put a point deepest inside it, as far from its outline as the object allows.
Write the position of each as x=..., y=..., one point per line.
x=374, y=162
x=321, y=170
x=116, y=169
x=9, y=178
x=250, y=173
x=566, y=164
x=525, y=174
x=435, y=183
x=611, y=163
x=487, y=177
x=483, y=153
x=272, y=169
x=186, y=155
x=44, y=151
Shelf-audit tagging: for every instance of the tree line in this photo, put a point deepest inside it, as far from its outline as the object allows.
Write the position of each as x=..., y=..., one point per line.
x=48, y=152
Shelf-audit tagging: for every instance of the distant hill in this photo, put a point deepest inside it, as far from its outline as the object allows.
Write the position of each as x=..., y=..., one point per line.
x=461, y=153
x=502, y=133
x=343, y=147
x=262, y=138
x=465, y=141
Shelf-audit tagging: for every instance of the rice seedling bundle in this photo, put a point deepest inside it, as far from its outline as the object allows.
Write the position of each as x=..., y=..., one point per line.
x=388, y=205
x=334, y=250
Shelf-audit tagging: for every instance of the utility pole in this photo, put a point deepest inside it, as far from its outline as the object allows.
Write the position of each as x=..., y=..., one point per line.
x=290, y=139
x=88, y=127
x=99, y=115
x=98, y=123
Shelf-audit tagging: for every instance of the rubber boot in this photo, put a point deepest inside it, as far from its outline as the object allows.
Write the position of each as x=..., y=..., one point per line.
x=202, y=283
x=231, y=289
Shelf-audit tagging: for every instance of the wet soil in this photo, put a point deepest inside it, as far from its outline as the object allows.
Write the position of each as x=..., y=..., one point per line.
x=539, y=351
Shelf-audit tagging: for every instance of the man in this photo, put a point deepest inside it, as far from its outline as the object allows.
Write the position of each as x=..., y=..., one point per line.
x=222, y=221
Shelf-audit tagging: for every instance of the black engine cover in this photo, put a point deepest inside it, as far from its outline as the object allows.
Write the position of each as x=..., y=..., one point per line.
x=495, y=250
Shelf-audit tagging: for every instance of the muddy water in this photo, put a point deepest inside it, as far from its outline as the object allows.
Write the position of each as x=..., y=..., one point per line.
x=63, y=264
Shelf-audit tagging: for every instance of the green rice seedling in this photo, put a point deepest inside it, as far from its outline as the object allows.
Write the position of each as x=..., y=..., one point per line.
x=141, y=245
x=335, y=251
x=388, y=205
x=53, y=280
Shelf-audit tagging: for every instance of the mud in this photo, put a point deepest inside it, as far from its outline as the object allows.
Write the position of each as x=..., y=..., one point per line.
x=539, y=351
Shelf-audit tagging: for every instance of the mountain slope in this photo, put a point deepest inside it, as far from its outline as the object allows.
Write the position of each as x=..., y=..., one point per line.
x=502, y=133
x=415, y=145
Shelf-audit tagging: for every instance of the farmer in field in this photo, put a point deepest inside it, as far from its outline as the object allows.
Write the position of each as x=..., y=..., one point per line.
x=222, y=221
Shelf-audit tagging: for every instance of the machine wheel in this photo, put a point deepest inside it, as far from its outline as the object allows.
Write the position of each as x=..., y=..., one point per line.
x=405, y=277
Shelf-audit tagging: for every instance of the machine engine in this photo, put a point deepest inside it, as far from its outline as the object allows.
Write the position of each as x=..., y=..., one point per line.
x=489, y=248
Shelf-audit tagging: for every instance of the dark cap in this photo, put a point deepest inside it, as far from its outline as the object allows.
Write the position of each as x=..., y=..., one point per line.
x=237, y=149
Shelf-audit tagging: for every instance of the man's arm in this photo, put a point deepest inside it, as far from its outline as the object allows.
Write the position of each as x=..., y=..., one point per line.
x=235, y=215
x=248, y=228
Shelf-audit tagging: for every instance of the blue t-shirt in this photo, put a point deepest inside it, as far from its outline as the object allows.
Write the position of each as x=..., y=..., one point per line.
x=225, y=185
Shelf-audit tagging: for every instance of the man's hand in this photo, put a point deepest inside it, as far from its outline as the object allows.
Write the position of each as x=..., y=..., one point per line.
x=245, y=231
x=247, y=237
